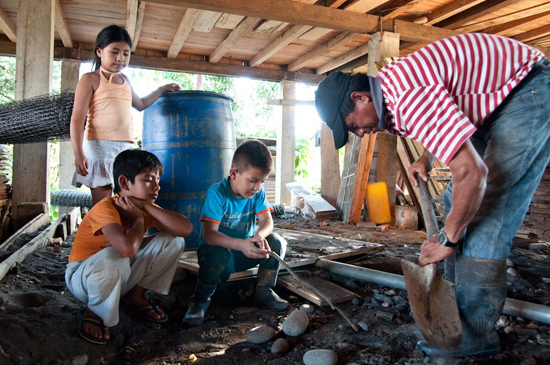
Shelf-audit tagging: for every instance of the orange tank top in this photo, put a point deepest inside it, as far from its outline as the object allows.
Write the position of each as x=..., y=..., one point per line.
x=109, y=112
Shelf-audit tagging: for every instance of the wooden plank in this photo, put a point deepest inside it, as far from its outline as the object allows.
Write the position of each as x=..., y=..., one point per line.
x=321, y=51
x=362, y=177
x=61, y=25
x=448, y=11
x=228, y=21
x=5, y=211
x=290, y=35
x=232, y=39
x=335, y=293
x=185, y=27
x=315, y=34
x=131, y=17
x=517, y=23
x=317, y=16
x=270, y=27
x=31, y=226
x=345, y=58
x=139, y=24
x=7, y=26
x=533, y=34
x=347, y=183
x=475, y=12
x=206, y=21
x=21, y=254
x=330, y=168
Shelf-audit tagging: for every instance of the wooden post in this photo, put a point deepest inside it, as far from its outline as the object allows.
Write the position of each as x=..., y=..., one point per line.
x=383, y=45
x=286, y=146
x=330, y=167
x=34, y=51
x=70, y=70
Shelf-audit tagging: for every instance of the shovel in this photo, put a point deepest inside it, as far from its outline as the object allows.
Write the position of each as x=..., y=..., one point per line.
x=431, y=297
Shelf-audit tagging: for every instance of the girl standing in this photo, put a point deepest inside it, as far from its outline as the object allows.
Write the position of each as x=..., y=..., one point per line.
x=102, y=103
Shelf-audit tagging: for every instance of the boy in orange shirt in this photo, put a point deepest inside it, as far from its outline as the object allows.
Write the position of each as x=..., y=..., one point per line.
x=111, y=259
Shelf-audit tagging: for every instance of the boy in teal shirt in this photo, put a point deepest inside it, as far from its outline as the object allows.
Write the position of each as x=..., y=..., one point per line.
x=229, y=240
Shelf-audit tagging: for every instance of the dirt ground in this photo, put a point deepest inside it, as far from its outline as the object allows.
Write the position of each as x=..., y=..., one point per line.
x=38, y=315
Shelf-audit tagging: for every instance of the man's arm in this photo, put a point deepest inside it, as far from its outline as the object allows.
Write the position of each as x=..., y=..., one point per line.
x=469, y=174
x=172, y=222
x=247, y=246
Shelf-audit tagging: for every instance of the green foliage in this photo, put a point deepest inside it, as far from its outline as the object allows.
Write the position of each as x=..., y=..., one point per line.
x=253, y=117
x=7, y=79
x=304, y=150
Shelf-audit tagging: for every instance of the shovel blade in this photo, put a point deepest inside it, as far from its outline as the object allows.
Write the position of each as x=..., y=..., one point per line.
x=433, y=303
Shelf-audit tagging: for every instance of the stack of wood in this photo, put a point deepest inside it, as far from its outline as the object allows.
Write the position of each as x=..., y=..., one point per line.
x=537, y=221
x=5, y=186
x=310, y=203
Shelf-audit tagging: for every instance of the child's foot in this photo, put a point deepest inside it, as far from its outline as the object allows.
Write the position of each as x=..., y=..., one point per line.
x=146, y=309
x=91, y=327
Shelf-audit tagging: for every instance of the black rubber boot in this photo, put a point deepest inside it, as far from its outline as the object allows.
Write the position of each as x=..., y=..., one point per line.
x=267, y=279
x=480, y=295
x=198, y=305
x=450, y=264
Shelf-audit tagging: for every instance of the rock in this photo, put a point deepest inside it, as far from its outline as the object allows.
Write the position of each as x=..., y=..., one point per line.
x=296, y=323
x=355, y=301
x=320, y=357
x=307, y=308
x=546, y=280
x=509, y=262
x=260, y=334
x=416, y=354
x=384, y=316
x=513, y=272
x=390, y=292
x=280, y=346
x=364, y=326
x=537, y=246
x=351, y=284
x=79, y=360
x=399, y=300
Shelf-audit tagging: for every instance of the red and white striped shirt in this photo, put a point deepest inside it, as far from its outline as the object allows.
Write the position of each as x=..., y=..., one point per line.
x=439, y=94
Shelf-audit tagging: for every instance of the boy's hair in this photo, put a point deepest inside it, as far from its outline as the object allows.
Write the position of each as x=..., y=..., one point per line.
x=110, y=34
x=252, y=154
x=358, y=82
x=130, y=163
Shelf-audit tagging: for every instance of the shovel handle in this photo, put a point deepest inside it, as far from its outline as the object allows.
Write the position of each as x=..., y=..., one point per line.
x=426, y=205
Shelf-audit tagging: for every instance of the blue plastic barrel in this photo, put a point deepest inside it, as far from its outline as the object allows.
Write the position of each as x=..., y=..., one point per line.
x=191, y=132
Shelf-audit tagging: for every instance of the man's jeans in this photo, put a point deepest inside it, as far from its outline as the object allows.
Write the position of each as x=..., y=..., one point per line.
x=515, y=145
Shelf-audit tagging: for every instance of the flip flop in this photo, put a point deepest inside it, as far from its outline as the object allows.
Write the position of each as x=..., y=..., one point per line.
x=144, y=309
x=93, y=320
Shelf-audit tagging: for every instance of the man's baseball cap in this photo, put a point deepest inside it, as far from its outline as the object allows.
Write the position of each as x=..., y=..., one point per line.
x=329, y=97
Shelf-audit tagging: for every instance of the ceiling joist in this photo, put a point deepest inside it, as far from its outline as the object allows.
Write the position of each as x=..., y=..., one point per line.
x=246, y=25
x=185, y=27
x=7, y=26
x=61, y=25
x=475, y=12
x=284, y=40
x=139, y=23
x=533, y=34
x=318, y=16
x=448, y=11
x=345, y=58
x=131, y=17
x=518, y=23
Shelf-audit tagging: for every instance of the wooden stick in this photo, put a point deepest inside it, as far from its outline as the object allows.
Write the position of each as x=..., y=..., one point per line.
x=305, y=283
x=31, y=226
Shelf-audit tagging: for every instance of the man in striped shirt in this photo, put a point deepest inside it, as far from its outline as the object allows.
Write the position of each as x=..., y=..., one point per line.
x=481, y=104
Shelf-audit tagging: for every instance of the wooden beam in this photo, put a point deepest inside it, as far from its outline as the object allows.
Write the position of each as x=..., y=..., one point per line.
x=518, y=23
x=222, y=48
x=362, y=177
x=395, y=8
x=61, y=25
x=506, y=18
x=139, y=23
x=7, y=26
x=185, y=27
x=229, y=21
x=206, y=20
x=364, y=6
x=321, y=51
x=330, y=167
x=293, y=33
x=345, y=58
x=448, y=11
x=131, y=16
x=314, y=15
x=476, y=12
x=355, y=64
x=533, y=34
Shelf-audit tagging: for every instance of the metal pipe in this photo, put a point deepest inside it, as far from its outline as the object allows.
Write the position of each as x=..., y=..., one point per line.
x=512, y=307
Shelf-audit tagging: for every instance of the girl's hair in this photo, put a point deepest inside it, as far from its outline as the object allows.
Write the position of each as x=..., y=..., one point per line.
x=112, y=33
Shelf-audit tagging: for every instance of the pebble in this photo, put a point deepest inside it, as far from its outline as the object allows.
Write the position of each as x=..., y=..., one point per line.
x=364, y=326
x=352, y=284
x=260, y=334
x=307, y=308
x=513, y=272
x=280, y=346
x=509, y=262
x=356, y=301
x=376, y=291
x=399, y=300
x=79, y=360
x=320, y=357
x=390, y=292
x=384, y=316
x=296, y=323
x=537, y=246
x=546, y=280
x=508, y=329
x=417, y=354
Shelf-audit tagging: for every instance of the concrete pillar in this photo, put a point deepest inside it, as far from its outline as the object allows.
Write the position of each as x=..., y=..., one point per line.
x=70, y=72
x=34, y=51
x=286, y=146
x=383, y=45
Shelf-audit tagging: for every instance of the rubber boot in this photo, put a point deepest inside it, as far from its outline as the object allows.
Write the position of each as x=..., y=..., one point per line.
x=267, y=279
x=450, y=264
x=198, y=305
x=480, y=295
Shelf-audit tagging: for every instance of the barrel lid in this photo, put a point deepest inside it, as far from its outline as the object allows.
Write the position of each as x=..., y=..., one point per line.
x=192, y=94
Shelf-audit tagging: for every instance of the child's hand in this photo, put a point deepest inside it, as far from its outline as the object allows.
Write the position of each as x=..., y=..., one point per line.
x=253, y=249
x=81, y=165
x=170, y=87
x=262, y=242
x=140, y=203
x=128, y=211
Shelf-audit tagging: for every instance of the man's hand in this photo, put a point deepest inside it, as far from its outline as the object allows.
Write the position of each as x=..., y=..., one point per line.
x=128, y=211
x=433, y=251
x=421, y=167
x=254, y=248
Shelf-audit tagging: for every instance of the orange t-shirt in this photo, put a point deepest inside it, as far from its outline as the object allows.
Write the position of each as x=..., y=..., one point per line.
x=89, y=239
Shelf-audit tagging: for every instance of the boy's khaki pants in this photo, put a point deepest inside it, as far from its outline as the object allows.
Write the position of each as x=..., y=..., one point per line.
x=102, y=279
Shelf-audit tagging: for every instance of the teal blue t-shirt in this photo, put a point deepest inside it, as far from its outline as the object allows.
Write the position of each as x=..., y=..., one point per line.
x=235, y=215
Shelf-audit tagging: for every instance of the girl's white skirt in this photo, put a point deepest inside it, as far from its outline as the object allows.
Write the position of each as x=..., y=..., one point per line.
x=101, y=155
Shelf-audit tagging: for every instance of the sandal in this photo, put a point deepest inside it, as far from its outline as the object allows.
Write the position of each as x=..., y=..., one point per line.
x=144, y=309
x=94, y=321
